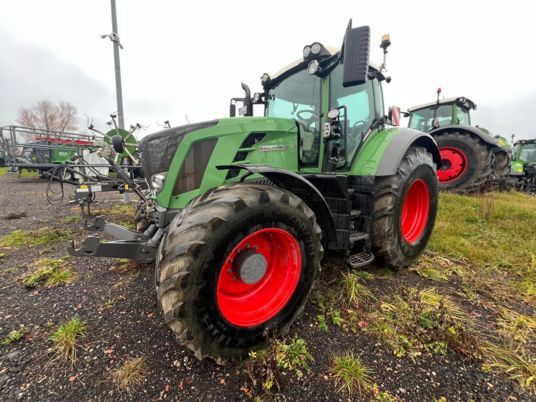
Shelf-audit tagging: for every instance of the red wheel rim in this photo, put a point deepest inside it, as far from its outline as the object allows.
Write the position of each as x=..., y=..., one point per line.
x=453, y=164
x=249, y=305
x=415, y=210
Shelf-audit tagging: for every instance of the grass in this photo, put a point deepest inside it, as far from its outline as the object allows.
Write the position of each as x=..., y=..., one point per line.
x=517, y=364
x=423, y=321
x=351, y=375
x=515, y=328
x=66, y=338
x=23, y=173
x=29, y=174
x=125, y=265
x=484, y=247
x=23, y=238
x=499, y=251
x=13, y=336
x=72, y=219
x=118, y=210
x=49, y=272
x=131, y=374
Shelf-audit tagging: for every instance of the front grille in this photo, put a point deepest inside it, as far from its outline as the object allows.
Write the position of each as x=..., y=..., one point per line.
x=158, y=149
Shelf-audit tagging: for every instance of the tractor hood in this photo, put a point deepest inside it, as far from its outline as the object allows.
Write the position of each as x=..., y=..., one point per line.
x=185, y=159
x=158, y=149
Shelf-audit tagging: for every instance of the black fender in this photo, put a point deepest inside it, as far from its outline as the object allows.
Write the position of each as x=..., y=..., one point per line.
x=395, y=151
x=486, y=138
x=303, y=188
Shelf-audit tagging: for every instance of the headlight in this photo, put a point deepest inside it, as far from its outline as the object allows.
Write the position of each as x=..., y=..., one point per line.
x=313, y=67
x=265, y=79
x=306, y=52
x=157, y=181
x=316, y=48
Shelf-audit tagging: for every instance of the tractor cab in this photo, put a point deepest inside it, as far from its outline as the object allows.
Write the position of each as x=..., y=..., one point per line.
x=525, y=151
x=334, y=96
x=523, y=174
x=447, y=112
x=299, y=94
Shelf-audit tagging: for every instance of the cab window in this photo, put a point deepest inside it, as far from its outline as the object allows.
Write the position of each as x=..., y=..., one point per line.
x=299, y=97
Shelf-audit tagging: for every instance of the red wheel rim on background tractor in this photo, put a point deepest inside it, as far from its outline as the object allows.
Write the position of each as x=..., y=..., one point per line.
x=415, y=211
x=259, y=277
x=453, y=164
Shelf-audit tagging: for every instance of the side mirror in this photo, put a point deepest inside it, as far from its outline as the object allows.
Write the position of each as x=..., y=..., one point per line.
x=394, y=115
x=356, y=56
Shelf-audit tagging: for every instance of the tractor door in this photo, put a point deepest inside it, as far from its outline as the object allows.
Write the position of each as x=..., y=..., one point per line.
x=358, y=106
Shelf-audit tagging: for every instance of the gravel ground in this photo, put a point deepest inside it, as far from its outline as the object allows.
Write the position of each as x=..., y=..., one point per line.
x=124, y=321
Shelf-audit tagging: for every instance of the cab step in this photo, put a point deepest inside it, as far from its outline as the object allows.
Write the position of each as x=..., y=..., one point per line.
x=357, y=236
x=360, y=259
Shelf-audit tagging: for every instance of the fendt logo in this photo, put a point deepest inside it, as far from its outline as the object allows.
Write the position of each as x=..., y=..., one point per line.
x=273, y=148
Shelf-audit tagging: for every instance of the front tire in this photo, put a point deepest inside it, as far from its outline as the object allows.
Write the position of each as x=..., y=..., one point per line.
x=405, y=208
x=215, y=306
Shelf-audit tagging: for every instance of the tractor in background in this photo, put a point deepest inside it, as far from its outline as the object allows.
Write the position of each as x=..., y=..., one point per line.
x=472, y=159
x=241, y=209
x=523, y=174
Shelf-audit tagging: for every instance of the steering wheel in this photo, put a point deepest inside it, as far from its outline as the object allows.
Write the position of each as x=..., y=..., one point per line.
x=358, y=123
x=309, y=119
x=354, y=135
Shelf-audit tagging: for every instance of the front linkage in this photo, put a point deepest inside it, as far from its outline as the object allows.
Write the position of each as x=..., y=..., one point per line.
x=126, y=243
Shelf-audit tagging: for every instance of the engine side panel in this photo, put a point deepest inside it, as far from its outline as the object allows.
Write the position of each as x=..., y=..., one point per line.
x=277, y=146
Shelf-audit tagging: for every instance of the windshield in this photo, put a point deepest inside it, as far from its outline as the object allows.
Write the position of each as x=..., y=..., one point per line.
x=423, y=119
x=299, y=97
x=528, y=153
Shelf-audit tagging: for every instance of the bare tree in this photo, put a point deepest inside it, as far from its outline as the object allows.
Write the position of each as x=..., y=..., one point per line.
x=49, y=116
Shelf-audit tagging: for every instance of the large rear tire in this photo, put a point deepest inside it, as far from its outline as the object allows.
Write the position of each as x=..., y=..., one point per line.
x=499, y=181
x=405, y=208
x=466, y=162
x=236, y=268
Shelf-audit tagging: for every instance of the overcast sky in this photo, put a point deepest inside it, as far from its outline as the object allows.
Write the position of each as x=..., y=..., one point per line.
x=188, y=58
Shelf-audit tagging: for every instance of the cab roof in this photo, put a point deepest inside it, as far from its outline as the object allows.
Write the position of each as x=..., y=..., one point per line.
x=461, y=100
x=301, y=63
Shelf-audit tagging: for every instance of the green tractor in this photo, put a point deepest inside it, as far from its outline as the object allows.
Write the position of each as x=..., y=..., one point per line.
x=243, y=208
x=472, y=159
x=523, y=174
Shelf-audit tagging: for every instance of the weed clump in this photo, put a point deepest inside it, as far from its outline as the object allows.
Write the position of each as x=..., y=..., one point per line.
x=132, y=373
x=351, y=375
x=66, y=337
x=266, y=367
x=12, y=337
x=49, y=272
x=353, y=291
